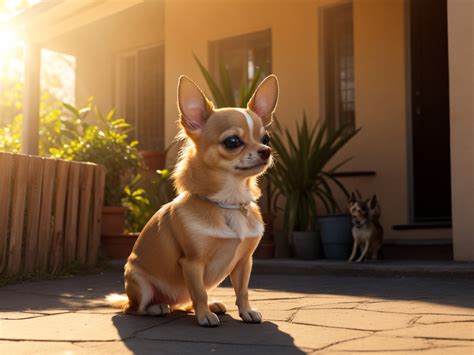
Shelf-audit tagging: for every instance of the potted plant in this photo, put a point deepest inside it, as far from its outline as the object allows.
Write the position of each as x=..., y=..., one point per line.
x=302, y=178
x=106, y=143
x=144, y=196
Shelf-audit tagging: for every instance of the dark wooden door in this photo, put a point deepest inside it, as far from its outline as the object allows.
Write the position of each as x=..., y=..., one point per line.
x=430, y=110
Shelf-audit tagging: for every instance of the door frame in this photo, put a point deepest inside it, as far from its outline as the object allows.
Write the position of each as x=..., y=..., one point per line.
x=409, y=118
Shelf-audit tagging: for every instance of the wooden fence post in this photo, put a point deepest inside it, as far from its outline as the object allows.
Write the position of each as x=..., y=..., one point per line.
x=87, y=175
x=18, y=214
x=57, y=243
x=6, y=166
x=44, y=233
x=72, y=211
x=35, y=180
x=94, y=235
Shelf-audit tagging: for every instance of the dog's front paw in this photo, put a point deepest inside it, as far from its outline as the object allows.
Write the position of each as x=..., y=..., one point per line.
x=251, y=316
x=209, y=320
x=217, y=307
x=158, y=310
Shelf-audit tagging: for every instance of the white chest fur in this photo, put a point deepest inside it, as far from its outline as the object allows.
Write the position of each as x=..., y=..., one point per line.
x=233, y=224
x=241, y=225
x=362, y=234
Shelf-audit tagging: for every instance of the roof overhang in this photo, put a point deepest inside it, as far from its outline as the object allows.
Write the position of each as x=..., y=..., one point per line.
x=50, y=19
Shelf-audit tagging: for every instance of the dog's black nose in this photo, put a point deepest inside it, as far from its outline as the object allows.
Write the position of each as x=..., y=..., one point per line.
x=264, y=153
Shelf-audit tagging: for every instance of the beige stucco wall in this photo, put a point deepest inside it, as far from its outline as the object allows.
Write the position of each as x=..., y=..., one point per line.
x=380, y=72
x=293, y=23
x=461, y=79
x=96, y=46
x=186, y=27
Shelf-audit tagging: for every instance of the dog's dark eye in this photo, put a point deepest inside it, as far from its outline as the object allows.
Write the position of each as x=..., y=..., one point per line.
x=232, y=142
x=265, y=139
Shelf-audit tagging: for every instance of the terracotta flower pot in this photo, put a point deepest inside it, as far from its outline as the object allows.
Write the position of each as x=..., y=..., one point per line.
x=153, y=160
x=282, y=245
x=266, y=247
x=306, y=245
x=118, y=246
x=113, y=220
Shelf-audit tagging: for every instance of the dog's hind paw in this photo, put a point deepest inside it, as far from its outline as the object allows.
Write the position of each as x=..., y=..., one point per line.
x=209, y=320
x=217, y=307
x=158, y=310
x=251, y=316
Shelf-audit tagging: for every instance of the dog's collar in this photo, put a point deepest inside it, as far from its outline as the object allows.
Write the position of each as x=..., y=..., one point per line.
x=360, y=225
x=243, y=207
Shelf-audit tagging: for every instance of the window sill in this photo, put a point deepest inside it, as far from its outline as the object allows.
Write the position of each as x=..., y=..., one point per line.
x=423, y=225
x=355, y=173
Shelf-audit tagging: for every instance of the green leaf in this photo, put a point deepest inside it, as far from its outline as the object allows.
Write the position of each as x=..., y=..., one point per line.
x=84, y=111
x=226, y=86
x=300, y=171
x=72, y=109
x=251, y=88
x=213, y=87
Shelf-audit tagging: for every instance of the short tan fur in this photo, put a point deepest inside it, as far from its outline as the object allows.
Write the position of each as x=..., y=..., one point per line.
x=191, y=244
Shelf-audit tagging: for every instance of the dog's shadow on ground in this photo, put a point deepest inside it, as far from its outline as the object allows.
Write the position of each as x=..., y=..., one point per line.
x=180, y=333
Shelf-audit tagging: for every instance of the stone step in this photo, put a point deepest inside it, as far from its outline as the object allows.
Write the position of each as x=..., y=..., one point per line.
x=418, y=249
x=381, y=268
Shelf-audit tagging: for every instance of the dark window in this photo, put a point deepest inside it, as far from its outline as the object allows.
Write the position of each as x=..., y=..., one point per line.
x=338, y=66
x=141, y=95
x=242, y=56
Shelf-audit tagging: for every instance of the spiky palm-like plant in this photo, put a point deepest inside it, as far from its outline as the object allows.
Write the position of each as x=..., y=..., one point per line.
x=301, y=175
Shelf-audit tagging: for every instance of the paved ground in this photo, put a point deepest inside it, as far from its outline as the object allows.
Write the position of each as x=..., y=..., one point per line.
x=313, y=314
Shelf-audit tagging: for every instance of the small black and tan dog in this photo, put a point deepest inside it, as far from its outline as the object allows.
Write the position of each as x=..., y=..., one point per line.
x=366, y=230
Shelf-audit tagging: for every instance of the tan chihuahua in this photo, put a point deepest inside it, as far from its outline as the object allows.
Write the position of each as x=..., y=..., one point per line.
x=367, y=230
x=213, y=226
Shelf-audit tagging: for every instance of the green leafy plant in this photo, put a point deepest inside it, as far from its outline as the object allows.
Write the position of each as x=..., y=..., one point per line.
x=143, y=197
x=301, y=175
x=10, y=138
x=55, y=120
x=107, y=144
x=223, y=92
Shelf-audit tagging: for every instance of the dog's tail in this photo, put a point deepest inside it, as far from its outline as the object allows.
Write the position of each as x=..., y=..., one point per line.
x=116, y=300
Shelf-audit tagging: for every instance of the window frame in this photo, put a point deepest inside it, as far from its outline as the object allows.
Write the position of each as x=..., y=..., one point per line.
x=121, y=90
x=327, y=69
x=263, y=39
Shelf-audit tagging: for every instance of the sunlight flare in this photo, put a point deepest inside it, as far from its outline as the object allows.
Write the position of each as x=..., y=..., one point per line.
x=9, y=40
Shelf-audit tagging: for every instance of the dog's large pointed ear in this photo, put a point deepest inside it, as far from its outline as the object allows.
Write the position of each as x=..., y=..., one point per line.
x=194, y=107
x=373, y=202
x=265, y=99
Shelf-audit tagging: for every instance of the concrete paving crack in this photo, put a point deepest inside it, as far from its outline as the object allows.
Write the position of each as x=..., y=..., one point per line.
x=413, y=321
x=346, y=328
x=221, y=343
x=38, y=315
x=62, y=340
x=417, y=313
x=292, y=316
x=448, y=322
x=343, y=341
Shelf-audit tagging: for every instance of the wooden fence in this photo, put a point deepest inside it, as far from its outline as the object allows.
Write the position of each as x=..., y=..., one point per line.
x=50, y=213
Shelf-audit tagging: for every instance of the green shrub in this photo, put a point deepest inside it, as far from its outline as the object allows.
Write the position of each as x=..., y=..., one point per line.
x=107, y=144
x=10, y=138
x=143, y=197
x=300, y=173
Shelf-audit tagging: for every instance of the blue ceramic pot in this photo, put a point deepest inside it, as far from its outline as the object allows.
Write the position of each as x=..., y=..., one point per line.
x=336, y=236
